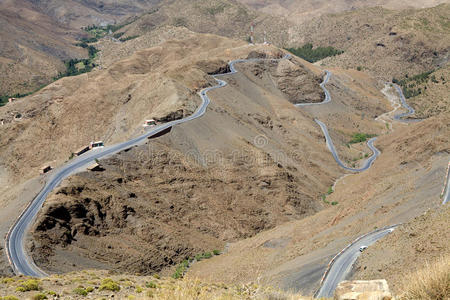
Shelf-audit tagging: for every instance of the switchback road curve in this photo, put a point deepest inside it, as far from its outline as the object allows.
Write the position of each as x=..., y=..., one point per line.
x=15, y=248
x=375, y=152
x=410, y=111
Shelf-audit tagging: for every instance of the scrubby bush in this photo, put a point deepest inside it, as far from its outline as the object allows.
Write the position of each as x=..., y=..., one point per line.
x=80, y=291
x=29, y=285
x=109, y=285
x=330, y=190
x=151, y=285
x=216, y=252
x=181, y=268
x=39, y=297
x=9, y=298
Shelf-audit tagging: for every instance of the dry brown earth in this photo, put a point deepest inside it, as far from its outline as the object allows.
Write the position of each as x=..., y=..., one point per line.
x=304, y=10
x=207, y=182
x=32, y=47
x=411, y=247
x=229, y=179
x=404, y=182
x=382, y=42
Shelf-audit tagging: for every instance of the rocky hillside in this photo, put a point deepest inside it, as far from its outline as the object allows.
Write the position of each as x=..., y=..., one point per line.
x=208, y=182
x=33, y=47
x=304, y=10
x=421, y=240
x=405, y=181
x=226, y=18
x=383, y=42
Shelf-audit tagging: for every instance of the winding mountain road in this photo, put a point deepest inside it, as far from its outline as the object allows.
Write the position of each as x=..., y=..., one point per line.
x=15, y=248
x=342, y=263
x=367, y=164
x=327, y=93
x=410, y=111
x=329, y=142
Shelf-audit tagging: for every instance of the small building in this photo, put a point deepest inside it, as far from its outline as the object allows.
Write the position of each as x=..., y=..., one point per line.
x=95, y=167
x=98, y=144
x=82, y=150
x=45, y=169
x=150, y=123
x=11, y=100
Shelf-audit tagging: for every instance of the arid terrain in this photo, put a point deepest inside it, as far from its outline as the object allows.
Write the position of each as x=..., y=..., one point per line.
x=385, y=43
x=305, y=10
x=247, y=193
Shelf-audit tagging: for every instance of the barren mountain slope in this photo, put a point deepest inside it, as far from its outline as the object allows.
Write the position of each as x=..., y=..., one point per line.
x=80, y=13
x=404, y=182
x=382, y=42
x=300, y=11
x=32, y=47
x=226, y=176
x=421, y=242
x=252, y=162
x=108, y=104
x=226, y=18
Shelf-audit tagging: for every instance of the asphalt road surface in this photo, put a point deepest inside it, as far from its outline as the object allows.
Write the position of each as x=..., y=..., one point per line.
x=17, y=254
x=410, y=111
x=375, y=152
x=343, y=263
x=367, y=164
x=446, y=196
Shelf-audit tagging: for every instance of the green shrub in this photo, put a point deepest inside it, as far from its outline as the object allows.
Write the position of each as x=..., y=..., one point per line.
x=109, y=285
x=39, y=297
x=151, y=285
x=360, y=137
x=312, y=55
x=181, y=269
x=216, y=252
x=330, y=190
x=139, y=289
x=29, y=285
x=156, y=276
x=118, y=35
x=9, y=298
x=80, y=291
x=334, y=203
x=7, y=280
x=89, y=289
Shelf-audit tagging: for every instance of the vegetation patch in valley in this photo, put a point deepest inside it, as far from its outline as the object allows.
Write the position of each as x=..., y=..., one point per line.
x=77, y=66
x=360, y=137
x=97, y=32
x=184, y=265
x=311, y=54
